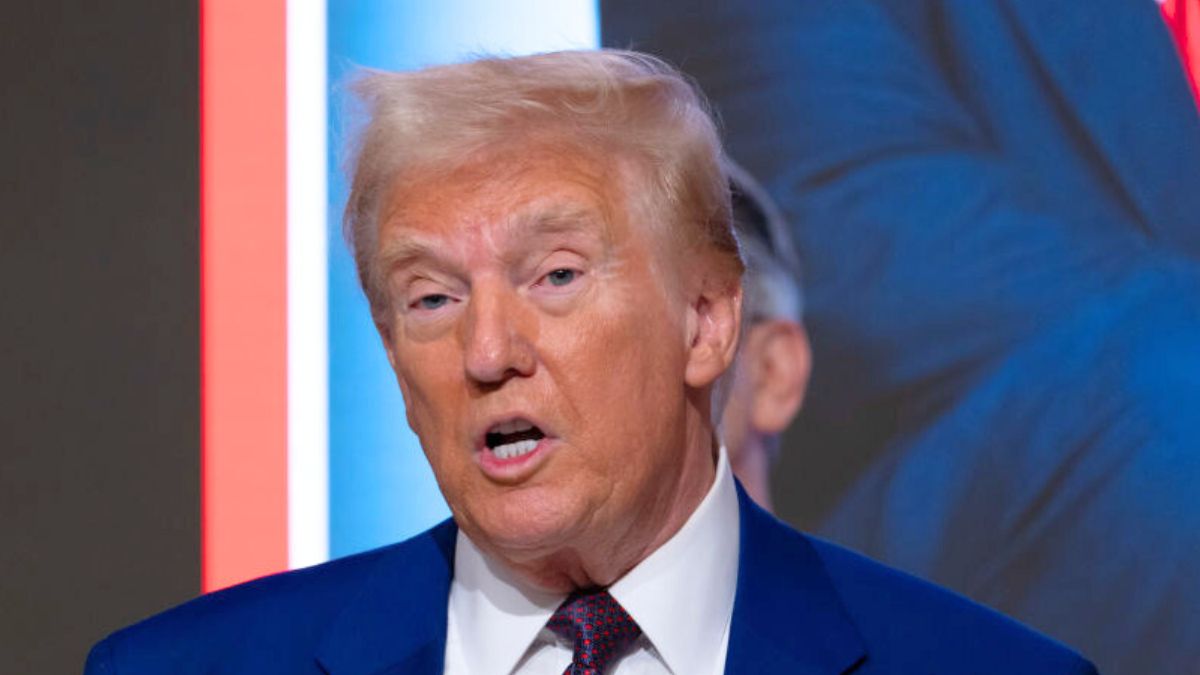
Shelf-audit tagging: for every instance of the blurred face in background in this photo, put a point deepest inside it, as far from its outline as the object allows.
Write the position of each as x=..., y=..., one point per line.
x=769, y=378
x=553, y=360
x=770, y=374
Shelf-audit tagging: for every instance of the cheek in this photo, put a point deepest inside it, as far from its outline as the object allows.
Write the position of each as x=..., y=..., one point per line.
x=431, y=391
x=622, y=373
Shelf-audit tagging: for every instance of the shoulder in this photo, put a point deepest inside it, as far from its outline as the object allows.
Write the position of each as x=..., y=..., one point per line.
x=792, y=586
x=263, y=622
x=908, y=622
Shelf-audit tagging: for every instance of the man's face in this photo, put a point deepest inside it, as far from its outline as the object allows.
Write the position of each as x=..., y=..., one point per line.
x=540, y=339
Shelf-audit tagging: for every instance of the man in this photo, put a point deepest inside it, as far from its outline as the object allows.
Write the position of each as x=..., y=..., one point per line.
x=996, y=203
x=770, y=373
x=545, y=243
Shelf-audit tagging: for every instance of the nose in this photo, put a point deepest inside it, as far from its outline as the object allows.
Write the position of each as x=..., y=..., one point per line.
x=496, y=344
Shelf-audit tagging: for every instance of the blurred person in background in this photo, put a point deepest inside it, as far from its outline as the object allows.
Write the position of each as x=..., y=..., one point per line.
x=770, y=373
x=997, y=206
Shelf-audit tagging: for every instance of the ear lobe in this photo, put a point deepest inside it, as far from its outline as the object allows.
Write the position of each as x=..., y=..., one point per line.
x=714, y=320
x=780, y=368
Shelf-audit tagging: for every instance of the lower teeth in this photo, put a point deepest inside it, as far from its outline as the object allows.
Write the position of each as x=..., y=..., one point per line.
x=510, y=450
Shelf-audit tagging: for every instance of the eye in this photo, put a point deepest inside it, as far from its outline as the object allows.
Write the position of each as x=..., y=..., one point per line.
x=562, y=276
x=431, y=301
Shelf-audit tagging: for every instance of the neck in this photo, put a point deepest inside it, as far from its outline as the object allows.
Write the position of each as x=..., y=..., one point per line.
x=752, y=466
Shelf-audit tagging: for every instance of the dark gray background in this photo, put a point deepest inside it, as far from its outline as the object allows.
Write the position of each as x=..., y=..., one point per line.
x=99, y=402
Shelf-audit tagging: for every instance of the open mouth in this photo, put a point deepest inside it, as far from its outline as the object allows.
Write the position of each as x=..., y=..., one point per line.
x=514, y=438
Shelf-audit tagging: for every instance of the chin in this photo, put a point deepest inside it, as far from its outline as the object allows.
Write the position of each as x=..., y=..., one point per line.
x=525, y=529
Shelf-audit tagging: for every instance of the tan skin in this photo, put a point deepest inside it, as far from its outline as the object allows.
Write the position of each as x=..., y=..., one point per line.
x=523, y=286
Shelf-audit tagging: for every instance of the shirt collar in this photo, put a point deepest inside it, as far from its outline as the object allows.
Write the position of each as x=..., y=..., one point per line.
x=500, y=616
x=696, y=571
x=493, y=611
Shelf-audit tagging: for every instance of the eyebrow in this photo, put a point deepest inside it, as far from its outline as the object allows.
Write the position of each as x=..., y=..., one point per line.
x=403, y=252
x=558, y=219
x=561, y=219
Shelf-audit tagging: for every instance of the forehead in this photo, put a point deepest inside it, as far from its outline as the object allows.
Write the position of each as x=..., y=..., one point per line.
x=546, y=189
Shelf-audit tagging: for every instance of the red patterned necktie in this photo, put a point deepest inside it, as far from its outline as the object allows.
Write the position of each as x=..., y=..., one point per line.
x=598, y=626
x=1183, y=19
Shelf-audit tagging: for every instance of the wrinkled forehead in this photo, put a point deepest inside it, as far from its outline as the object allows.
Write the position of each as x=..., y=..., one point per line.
x=512, y=192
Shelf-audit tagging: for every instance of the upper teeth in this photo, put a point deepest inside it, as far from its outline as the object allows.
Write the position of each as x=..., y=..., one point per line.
x=515, y=449
x=512, y=427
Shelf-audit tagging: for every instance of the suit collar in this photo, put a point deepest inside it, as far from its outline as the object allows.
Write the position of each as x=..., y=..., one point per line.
x=397, y=624
x=1119, y=73
x=787, y=616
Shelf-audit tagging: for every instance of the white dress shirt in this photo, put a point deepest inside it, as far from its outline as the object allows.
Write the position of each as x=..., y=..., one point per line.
x=681, y=596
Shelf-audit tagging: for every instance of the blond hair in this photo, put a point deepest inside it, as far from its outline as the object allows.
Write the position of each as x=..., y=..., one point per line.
x=608, y=102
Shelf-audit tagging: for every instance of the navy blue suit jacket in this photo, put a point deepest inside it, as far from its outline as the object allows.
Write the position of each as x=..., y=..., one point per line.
x=802, y=607
x=997, y=204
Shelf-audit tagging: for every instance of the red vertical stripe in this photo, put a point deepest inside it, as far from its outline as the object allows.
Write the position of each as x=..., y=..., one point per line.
x=243, y=287
x=1183, y=19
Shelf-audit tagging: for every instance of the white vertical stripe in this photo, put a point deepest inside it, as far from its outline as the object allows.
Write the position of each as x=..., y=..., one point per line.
x=307, y=310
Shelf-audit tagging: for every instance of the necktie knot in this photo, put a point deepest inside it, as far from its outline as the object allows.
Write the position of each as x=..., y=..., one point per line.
x=599, y=628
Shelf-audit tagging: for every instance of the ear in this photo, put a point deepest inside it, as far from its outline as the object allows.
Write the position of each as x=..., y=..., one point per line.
x=780, y=361
x=714, y=319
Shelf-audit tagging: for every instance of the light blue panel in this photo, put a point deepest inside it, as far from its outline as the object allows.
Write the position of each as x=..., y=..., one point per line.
x=381, y=489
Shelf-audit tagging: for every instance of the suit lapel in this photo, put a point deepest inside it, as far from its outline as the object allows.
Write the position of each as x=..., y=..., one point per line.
x=1117, y=69
x=397, y=624
x=787, y=616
